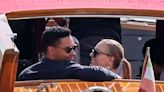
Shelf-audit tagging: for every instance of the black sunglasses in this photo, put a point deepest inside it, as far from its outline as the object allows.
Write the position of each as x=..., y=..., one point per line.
x=95, y=52
x=69, y=49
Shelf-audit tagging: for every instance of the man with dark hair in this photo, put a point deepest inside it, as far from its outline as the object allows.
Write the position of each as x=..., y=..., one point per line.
x=58, y=48
x=156, y=55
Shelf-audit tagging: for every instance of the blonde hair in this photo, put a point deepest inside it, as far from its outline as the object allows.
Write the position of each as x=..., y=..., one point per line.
x=116, y=50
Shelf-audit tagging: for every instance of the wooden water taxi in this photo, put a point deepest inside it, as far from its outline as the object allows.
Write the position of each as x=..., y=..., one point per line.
x=38, y=10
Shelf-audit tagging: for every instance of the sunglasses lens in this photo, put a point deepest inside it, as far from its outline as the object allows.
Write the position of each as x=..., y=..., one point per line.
x=74, y=47
x=69, y=49
x=96, y=52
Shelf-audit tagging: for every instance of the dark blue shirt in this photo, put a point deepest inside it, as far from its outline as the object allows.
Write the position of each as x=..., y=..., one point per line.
x=50, y=69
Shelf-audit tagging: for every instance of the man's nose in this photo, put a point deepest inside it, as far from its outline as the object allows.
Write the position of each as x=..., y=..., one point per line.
x=73, y=53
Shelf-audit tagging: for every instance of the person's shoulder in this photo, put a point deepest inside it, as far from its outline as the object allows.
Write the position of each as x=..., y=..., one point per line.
x=74, y=64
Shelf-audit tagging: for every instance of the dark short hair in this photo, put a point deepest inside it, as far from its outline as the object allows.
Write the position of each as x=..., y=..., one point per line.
x=156, y=51
x=52, y=35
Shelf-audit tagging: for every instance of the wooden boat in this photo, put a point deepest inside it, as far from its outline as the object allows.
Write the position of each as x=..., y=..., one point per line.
x=39, y=9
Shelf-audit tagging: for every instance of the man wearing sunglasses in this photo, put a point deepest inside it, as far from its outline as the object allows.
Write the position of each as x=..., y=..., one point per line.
x=59, y=51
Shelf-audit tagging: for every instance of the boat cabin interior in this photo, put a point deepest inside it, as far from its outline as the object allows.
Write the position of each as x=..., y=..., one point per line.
x=21, y=46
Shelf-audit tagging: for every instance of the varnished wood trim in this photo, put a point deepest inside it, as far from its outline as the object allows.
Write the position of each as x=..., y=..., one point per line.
x=138, y=26
x=37, y=82
x=85, y=11
x=8, y=70
x=79, y=86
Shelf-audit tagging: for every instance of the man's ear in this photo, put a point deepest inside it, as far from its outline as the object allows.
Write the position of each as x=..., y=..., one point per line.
x=50, y=50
